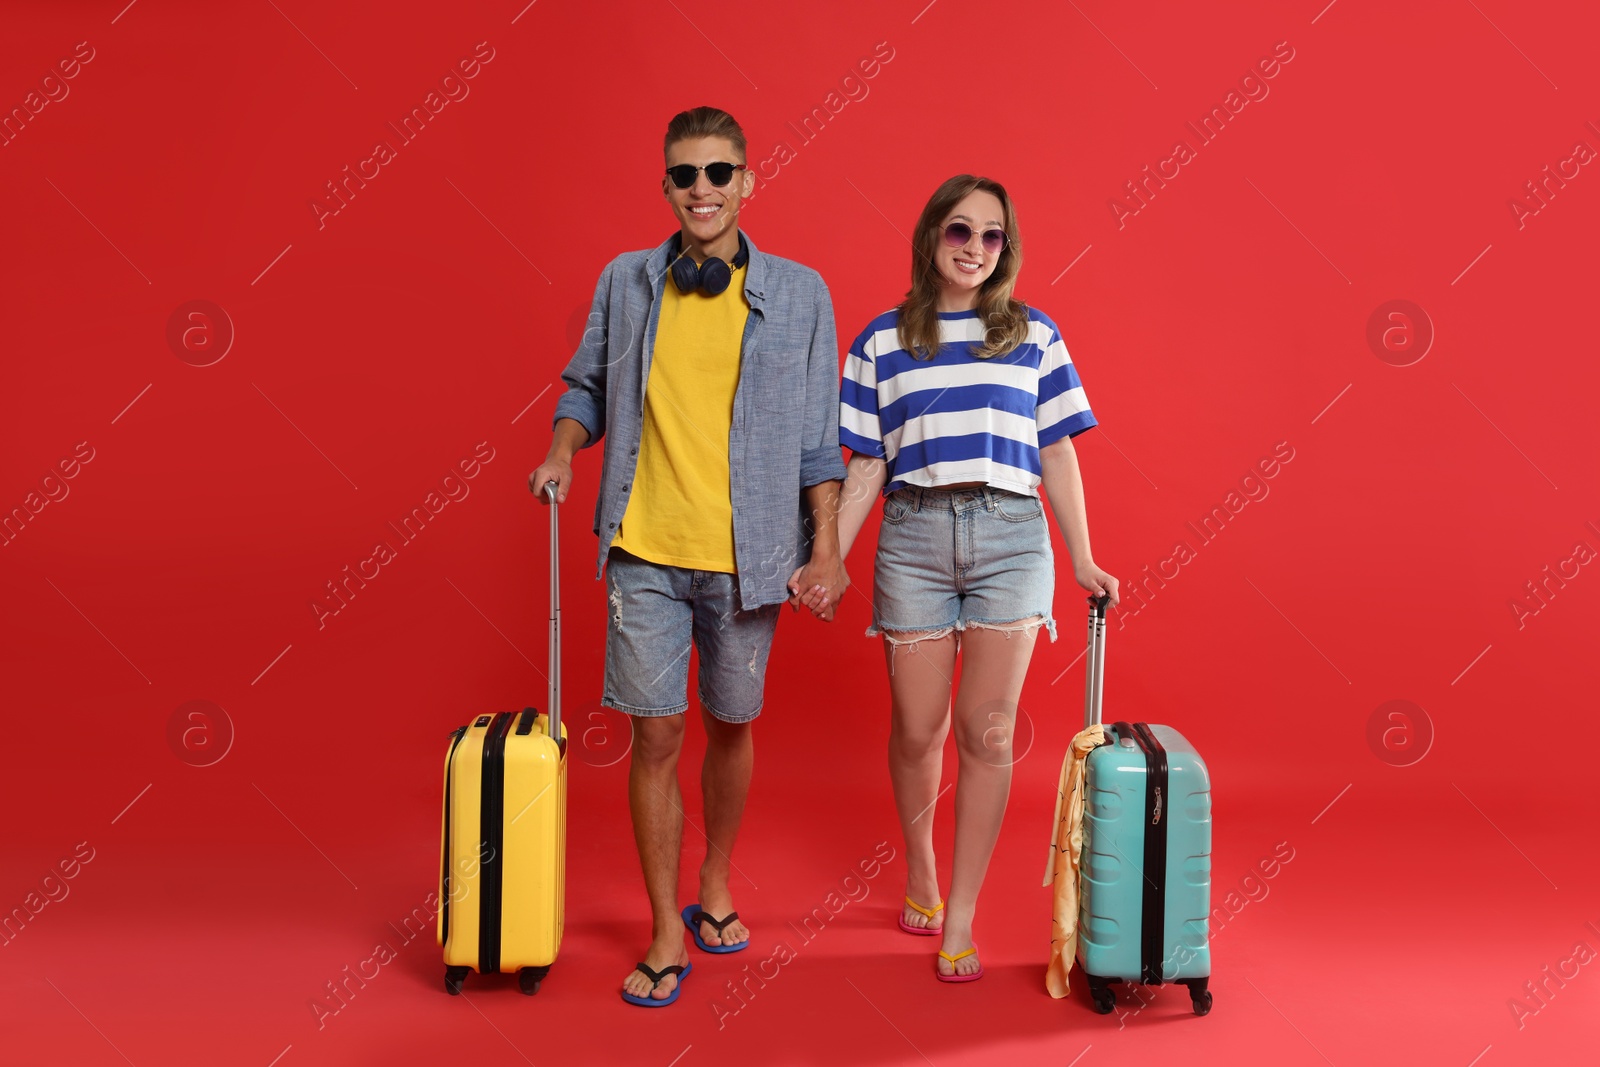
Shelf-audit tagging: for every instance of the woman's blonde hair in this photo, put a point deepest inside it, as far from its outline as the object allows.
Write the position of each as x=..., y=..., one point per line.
x=1005, y=320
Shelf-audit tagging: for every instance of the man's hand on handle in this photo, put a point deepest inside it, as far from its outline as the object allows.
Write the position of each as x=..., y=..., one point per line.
x=551, y=470
x=569, y=436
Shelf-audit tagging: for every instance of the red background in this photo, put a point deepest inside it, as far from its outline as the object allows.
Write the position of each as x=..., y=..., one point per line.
x=435, y=310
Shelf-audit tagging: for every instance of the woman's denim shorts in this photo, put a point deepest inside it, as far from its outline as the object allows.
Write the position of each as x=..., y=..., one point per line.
x=949, y=559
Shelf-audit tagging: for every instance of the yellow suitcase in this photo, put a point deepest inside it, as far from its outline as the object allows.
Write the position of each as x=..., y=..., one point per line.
x=503, y=839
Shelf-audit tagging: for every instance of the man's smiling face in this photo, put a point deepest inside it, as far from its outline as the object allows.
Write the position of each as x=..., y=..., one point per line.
x=706, y=212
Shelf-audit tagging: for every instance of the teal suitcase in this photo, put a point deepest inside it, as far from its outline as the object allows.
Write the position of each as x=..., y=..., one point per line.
x=1145, y=899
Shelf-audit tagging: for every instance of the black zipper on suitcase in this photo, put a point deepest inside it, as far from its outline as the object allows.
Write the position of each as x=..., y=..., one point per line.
x=1153, y=919
x=444, y=867
x=491, y=820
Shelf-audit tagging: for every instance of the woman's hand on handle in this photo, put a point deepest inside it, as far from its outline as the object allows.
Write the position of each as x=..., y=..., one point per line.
x=1096, y=581
x=1063, y=486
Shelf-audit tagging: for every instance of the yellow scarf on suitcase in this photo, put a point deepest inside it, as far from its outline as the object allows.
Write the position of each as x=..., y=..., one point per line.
x=1066, y=846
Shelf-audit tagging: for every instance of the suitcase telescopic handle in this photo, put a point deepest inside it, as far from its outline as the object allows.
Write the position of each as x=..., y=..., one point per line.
x=1095, y=673
x=553, y=695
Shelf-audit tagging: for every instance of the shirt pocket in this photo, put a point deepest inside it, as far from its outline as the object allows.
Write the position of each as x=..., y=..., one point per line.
x=777, y=395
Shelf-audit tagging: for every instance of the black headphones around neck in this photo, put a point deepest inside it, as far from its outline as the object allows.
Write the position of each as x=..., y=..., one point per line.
x=710, y=277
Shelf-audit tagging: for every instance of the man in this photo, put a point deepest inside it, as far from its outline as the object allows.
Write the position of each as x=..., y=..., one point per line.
x=711, y=369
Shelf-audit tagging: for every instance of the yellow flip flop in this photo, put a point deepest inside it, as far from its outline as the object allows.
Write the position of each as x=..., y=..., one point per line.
x=921, y=931
x=973, y=977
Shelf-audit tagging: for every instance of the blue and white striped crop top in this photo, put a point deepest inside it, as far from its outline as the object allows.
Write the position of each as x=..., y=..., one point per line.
x=956, y=418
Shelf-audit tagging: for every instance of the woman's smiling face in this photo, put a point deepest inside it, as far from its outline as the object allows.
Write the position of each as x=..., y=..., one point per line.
x=964, y=268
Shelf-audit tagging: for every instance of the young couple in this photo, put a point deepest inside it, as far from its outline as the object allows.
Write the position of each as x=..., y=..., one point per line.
x=725, y=473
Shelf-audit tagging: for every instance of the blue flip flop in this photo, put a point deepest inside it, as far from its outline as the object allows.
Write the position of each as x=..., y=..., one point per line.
x=693, y=917
x=655, y=980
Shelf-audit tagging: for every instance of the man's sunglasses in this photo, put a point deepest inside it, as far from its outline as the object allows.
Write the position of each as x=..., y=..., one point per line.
x=959, y=233
x=718, y=174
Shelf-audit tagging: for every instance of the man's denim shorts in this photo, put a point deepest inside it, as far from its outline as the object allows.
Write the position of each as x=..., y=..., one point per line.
x=655, y=613
x=953, y=559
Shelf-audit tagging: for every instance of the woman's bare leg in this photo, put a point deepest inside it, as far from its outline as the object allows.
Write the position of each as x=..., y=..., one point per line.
x=994, y=662
x=920, y=669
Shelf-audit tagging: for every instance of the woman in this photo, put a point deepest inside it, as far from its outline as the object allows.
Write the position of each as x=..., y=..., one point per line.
x=957, y=405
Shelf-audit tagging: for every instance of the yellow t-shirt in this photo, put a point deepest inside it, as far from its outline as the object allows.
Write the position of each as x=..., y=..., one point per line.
x=680, y=509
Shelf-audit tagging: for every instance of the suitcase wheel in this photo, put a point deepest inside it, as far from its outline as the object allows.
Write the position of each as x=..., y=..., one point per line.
x=528, y=979
x=453, y=978
x=1199, y=995
x=1103, y=996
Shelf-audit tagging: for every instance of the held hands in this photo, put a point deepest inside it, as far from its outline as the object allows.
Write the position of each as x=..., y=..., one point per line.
x=1096, y=581
x=819, y=585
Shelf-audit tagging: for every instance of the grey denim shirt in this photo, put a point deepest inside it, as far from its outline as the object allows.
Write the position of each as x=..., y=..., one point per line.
x=785, y=432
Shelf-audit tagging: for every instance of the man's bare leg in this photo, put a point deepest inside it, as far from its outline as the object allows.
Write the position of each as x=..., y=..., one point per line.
x=724, y=785
x=657, y=807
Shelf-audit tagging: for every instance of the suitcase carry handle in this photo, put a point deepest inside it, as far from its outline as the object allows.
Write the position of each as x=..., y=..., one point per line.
x=1095, y=673
x=553, y=695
